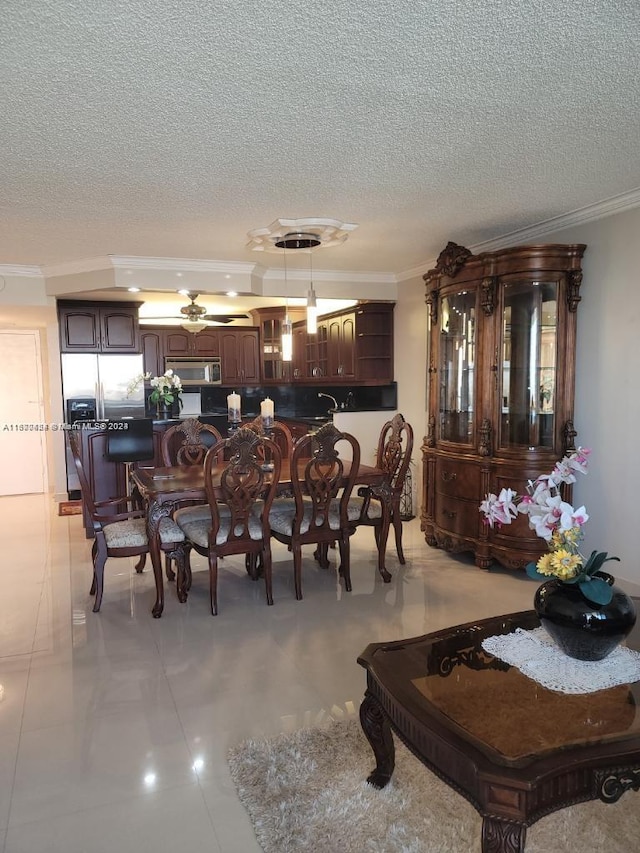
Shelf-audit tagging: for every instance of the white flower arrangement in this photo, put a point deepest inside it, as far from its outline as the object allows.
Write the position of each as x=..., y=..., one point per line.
x=165, y=389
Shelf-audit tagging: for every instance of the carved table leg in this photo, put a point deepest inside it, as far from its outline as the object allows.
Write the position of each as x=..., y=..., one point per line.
x=378, y=732
x=501, y=836
x=155, y=512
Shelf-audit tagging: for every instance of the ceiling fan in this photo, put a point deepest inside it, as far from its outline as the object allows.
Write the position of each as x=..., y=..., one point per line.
x=196, y=317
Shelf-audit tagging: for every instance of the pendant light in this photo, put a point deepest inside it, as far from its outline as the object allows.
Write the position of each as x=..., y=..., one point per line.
x=287, y=329
x=312, y=308
x=297, y=240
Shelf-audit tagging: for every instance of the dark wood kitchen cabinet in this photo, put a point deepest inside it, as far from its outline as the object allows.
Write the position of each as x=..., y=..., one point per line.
x=299, y=361
x=152, y=344
x=341, y=348
x=240, y=355
x=99, y=327
x=157, y=342
x=374, y=342
x=500, y=389
x=351, y=347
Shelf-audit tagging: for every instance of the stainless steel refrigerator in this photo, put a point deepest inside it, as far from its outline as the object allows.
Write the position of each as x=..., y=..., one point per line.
x=105, y=379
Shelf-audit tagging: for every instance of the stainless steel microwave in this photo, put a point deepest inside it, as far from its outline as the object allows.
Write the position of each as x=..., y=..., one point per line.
x=196, y=371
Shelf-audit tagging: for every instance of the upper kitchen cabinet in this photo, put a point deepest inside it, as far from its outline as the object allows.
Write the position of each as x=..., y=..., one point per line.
x=240, y=355
x=374, y=342
x=173, y=342
x=152, y=343
x=354, y=346
x=341, y=331
x=206, y=343
x=501, y=387
x=99, y=327
x=274, y=369
x=178, y=342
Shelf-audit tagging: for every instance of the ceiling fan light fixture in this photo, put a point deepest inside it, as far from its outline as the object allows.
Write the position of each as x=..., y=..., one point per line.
x=193, y=326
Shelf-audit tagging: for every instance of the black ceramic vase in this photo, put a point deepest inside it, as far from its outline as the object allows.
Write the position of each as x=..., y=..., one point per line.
x=581, y=628
x=163, y=410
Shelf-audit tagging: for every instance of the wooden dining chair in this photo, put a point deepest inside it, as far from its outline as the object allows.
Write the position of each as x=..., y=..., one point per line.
x=119, y=528
x=280, y=433
x=187, y=443
x=317, y=513
x=240, y=498
x=379, y=506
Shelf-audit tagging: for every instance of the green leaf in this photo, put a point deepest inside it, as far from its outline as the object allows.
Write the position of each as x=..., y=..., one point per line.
x=596, y=561
x=597, y=590
x=531, y=570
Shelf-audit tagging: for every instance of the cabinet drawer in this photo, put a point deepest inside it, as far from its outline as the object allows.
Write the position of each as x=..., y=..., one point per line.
x=458, y=479
x=457, y=516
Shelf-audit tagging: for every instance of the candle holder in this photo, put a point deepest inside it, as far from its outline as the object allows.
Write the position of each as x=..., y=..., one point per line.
x=233, y=412
x=267, y=464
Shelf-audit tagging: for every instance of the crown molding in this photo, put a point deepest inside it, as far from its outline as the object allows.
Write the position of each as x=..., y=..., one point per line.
x=21, y=270
x=590, y=213
x=125, y=262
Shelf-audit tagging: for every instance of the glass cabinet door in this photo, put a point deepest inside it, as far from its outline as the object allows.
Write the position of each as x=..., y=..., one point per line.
x=529, y=359
x=457, y=355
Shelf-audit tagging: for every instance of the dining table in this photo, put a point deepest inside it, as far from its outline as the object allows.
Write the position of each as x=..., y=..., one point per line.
x=165, y=489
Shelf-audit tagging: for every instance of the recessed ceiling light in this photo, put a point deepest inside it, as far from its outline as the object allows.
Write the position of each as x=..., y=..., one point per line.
x=183, y=292
x=179, y=274
x=231, y=293
x=133, y=289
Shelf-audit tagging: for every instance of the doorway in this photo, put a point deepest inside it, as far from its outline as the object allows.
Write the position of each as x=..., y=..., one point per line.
x=22, y=427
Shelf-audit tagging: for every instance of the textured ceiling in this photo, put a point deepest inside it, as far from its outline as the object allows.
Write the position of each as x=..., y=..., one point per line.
x=170, y=128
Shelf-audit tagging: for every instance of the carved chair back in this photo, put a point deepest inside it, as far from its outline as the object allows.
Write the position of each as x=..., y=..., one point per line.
x=187, y=443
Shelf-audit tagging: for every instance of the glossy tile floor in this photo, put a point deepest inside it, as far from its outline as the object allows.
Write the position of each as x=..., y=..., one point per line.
x=114, y=727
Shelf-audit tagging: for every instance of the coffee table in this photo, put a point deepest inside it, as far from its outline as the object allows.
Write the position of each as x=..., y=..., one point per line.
x=516, y=750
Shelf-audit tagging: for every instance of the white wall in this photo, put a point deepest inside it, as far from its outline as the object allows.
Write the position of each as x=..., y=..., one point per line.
x=410, y=365
x=607, y=407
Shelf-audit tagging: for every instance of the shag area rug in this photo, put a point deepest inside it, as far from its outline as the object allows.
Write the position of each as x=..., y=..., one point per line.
x=307, y=791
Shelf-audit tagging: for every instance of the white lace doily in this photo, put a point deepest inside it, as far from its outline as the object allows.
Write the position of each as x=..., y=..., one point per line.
x=536, y=655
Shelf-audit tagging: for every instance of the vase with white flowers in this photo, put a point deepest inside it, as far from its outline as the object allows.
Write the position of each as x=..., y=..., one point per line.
x=165, y=391
x=578, y=603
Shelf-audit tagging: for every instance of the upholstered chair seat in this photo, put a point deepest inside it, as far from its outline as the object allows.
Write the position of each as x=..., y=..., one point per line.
x=132, y=533
x=283, y=516
x=197, y=530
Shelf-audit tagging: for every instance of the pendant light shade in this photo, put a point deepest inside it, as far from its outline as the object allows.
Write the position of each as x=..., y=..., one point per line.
x=287, y=338
x=312, y=308
x=286, y=343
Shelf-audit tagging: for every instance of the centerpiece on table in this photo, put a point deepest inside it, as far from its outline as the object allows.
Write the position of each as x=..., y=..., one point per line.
x=578, y=604
x=165, y=391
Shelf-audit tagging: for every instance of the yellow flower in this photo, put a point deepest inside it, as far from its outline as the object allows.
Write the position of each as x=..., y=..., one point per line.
x=565, y=564
x=544, y=565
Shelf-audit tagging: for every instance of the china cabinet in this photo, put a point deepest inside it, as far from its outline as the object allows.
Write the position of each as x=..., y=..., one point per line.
x=502, y=331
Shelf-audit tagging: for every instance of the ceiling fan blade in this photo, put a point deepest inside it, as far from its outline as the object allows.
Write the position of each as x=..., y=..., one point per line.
x=225, y=318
